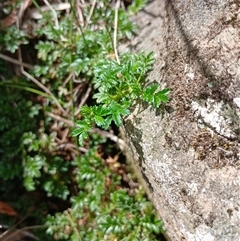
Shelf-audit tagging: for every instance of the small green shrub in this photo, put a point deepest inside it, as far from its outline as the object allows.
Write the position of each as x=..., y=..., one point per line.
x=117, y=87
x=16, y=117
x=13, y=38
x=71, y=53
x=101, y=212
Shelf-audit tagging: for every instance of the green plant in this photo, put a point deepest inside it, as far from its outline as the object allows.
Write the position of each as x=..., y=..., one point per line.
x=13, y=38
x=117, y=87
x=17, y=116
x=102, y=212
x=41, y=167
x=74, y=53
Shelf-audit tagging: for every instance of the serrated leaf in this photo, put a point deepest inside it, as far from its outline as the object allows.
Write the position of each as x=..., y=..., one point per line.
x=163, y=95
x=99, y=110
x=148, y=93
x=29, y=183
x=81, y=131
x=117, y=108
x=150, y=96
x=76, y=132
x=82, y=137
x=81, y=126
x=107, y=123
x=155, y=229
x=86, y=110
x=136, y=6
x=165, y=91
x=117, y=119
x=156, y=102
x=99, y=120
x=150, y=58
x=101, y=97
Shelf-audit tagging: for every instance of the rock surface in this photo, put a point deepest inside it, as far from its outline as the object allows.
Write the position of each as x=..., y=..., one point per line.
x=189, y=150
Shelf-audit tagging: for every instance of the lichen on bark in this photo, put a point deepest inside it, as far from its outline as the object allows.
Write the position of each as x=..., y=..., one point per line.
x=191, y=151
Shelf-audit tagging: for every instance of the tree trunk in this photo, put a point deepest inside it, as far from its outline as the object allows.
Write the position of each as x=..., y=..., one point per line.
x=189, y=150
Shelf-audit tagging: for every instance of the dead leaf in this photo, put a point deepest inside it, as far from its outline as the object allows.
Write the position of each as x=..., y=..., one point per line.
x=7, y=209
x=10, y=19
x=15, y=14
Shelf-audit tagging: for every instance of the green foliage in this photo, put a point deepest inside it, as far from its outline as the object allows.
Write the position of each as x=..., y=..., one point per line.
x=117, y=87
x=64, y=52
x=71, y=53
x=99, y=212
x=136, y=6
x=151, y=96
x=41, y=168
x=13, y=38
x=16, y=115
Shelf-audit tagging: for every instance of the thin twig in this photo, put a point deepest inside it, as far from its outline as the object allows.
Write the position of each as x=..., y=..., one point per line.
x=83, y=2
x=15, y=61
x=115, y=30
x=39, y=84
x=34, y=227
x=121, y=143
x=90, y=14
x=59, y=118
x=23, y=232
x=13, y=227
x=79, y=14
x=21, y=11
x=73, y=225
x=72, y=146
x=37, y=13
x=68, y=78
x=35, y=81
x=83, y=100
x=21, y=62
x=53, y=11
x=79, y=25
x=55, y=17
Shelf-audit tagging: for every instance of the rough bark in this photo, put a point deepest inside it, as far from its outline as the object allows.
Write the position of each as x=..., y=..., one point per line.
x=188, y=151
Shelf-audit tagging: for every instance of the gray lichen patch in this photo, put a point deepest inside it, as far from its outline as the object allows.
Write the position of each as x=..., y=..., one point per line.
x=212, y=114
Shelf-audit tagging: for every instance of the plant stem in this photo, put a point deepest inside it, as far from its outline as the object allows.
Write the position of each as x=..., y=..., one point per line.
x=73, y=225
x=115, y=30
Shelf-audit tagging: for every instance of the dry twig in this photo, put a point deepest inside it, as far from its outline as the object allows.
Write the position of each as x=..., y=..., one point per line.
x=53, y=11
x=15, y=61
x=121, y=143
x=35, y=14
x=83, y=100
x=39, y=84
x=72, y=224
x=80, y=15
x=91, y=12
x=98, y=131
x=115, y=30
